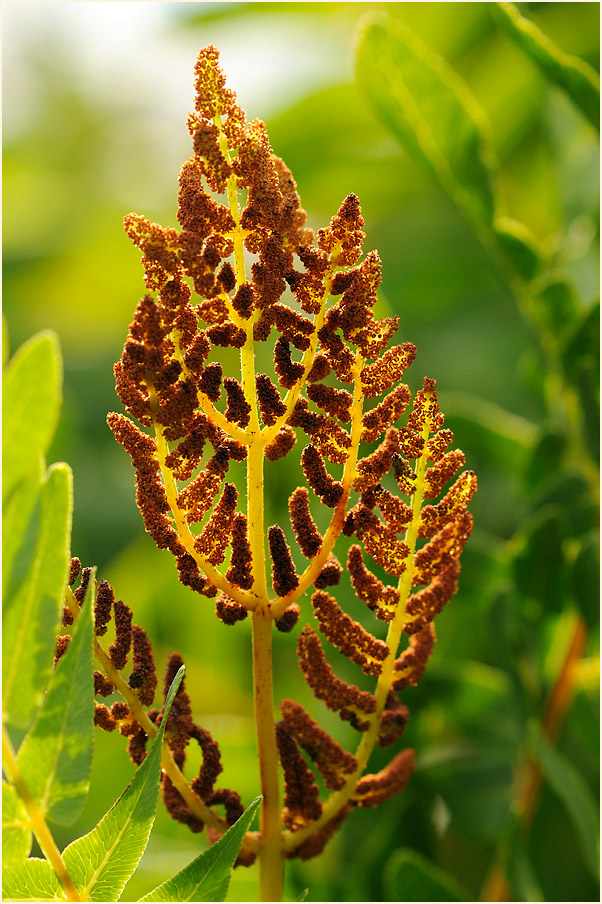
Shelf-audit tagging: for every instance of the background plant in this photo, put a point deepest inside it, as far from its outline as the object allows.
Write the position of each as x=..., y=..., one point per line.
x=462, y=317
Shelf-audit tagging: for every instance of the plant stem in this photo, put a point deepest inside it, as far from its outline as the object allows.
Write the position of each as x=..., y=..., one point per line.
x=37, y=821
x=271, y=872
x=270, y=859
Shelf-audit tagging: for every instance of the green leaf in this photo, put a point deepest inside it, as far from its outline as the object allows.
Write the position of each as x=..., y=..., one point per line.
x=5, y=342
x=20, y=526
x=539, y=567
x=431, y=112
x=474, y=781
x=570, y=787
x=56, y=756
x=519, y=246
x=588, y=395
x=32, y=880
x=572, y=495
x=583, y=342
x=16, y=833
x=545, y=462
x=31, y=400
x=208, y=876
x=34, y=589
x=557, y=303
x=585, y=579
x=576, y=77
x=101, y=862
x=497, y=436
x=519, y=869
x=408, y=876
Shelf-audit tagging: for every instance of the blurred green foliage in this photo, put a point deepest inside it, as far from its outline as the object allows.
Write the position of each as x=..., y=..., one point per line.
x=495, y=284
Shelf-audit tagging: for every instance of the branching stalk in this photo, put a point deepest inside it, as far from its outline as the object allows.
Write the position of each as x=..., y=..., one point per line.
x=168, y=764
x=333, y=325
x=338, y=799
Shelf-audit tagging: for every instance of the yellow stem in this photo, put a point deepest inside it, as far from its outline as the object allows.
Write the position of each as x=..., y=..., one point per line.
x=36, y=820
x=219, y=419
x=271, y=865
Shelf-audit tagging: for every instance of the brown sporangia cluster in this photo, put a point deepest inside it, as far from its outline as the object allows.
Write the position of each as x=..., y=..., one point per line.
x=131, y=655
x=336, y=391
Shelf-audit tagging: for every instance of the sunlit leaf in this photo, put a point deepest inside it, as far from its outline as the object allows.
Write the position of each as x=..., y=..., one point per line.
x=207, y=878
x=431, y=112
x=519, y=246
x=16, y=833
x=56, y=756
x=5, y=342
x=31, y=400
x=571, y=788
x=101, y=862
x=32, y=880
x=409, y=876
x=33, y=593
x=580, y=81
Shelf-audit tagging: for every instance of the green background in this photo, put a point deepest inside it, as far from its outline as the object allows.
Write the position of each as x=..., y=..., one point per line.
x=95, y=101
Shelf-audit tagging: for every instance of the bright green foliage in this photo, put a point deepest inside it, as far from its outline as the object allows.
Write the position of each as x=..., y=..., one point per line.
x=32, y=880
x=427, y=107
x=207, y=878
x=56, y=756
x=573, y=75
x=16, y=834
x=411, y=877
x=101, y=862
x=32, y=391
x=519, y=246
x=38, y=529
x=37, y=525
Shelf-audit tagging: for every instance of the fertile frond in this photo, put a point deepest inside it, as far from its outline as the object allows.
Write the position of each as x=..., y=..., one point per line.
x=243, y=269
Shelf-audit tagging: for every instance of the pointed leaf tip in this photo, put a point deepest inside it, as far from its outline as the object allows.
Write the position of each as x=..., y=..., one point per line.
x=208, y=876
x=101, y=862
